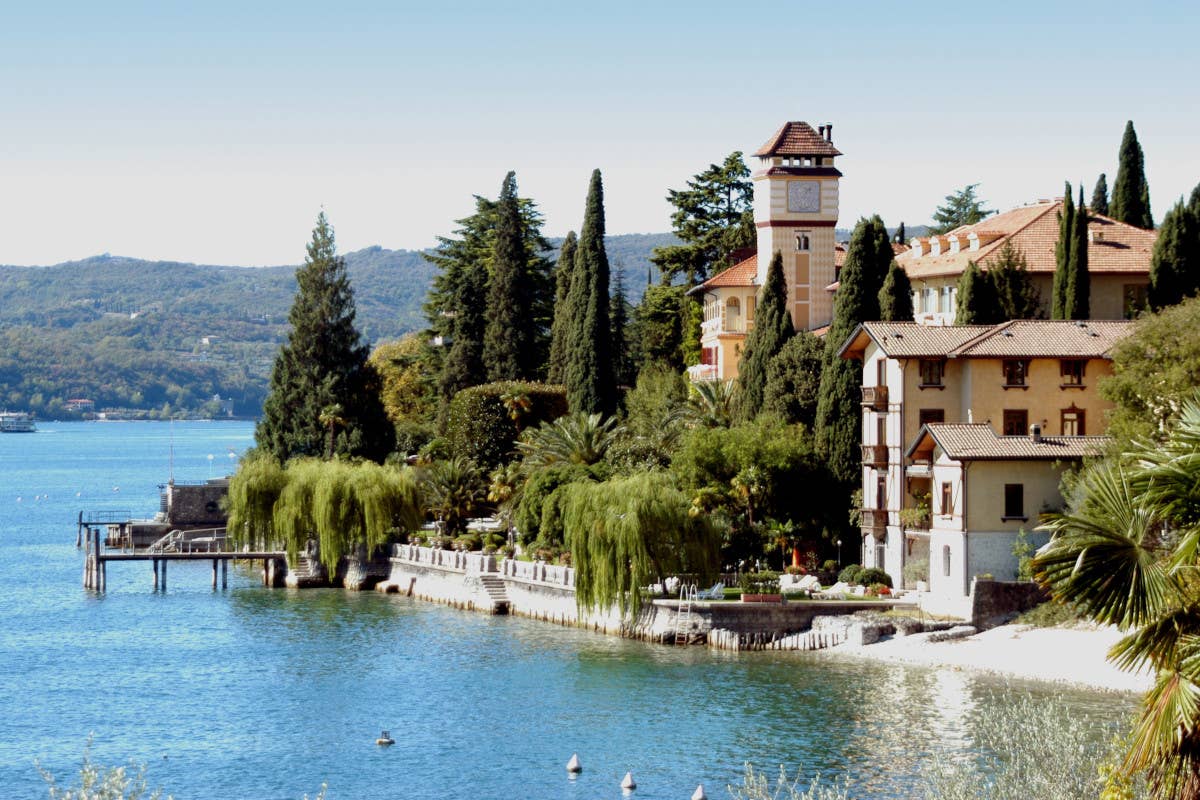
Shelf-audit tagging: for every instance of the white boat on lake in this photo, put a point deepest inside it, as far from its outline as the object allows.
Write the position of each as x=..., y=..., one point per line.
x=16, y=422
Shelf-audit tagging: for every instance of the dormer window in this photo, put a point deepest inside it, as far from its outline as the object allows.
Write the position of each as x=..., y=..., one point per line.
x=802, y=242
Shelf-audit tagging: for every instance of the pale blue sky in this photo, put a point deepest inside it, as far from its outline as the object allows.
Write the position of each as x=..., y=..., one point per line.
x=216, y=133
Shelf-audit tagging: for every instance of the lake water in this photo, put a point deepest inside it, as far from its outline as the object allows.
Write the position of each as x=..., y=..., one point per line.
x=268, y=693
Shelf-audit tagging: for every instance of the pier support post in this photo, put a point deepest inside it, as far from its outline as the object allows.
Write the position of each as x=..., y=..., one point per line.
x=214, y=574
x=225, y=573
x=154, y=565
x=103, y=574
x=162, y=565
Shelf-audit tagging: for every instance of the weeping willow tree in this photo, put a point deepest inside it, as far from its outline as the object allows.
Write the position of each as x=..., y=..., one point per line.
x=253, y=491
x=342, y=506
x=627, y=532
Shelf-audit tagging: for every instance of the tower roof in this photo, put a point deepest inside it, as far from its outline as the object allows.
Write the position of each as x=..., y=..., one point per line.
x=797, y=139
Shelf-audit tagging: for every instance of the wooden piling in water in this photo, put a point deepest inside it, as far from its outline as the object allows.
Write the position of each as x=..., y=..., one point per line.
x=224, y=574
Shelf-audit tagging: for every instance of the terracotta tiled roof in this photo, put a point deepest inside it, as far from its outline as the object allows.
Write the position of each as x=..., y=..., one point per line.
x=978, y=442
x=1030, y=338
x=797, y=139
x=1045, y=338
x=898, y=248
x=910, y=340
x=744, y=273
x=1115, y=246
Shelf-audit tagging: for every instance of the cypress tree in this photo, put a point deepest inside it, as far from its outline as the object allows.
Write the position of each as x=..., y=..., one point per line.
x=1062, y=256
x=556, y=367
x=623, y=373
x=794, y=380
x=464, y=364
x=976, y=299
x=900, y=234
x=589, y=376
x=856, y=301
x=1100, y=196
x=1175, y=263
x=323, y=366
x=772, y=328
x=1131, y=194
x=1077, y=297
x=895, y=297
x=508, y=339
x=1016, y=296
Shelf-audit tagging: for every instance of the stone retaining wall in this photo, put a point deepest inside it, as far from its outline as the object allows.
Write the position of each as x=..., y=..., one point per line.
x=547, y=592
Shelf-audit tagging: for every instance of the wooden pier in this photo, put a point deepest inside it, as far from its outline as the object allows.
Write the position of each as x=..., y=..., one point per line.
x=97, y=557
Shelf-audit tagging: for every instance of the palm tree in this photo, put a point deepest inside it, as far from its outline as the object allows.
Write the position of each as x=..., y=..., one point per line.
x=331, y=417
x=454, y=490
x=578, y=438
x=711, y=404
x=1127, y=554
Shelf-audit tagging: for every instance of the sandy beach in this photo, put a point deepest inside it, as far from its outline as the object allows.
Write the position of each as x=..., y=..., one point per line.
x=1075, y=655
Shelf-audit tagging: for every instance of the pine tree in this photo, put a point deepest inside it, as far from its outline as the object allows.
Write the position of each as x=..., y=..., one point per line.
x=1012, y=286
x=1077, y=298
x=961, y=208
x=1131, y=194
x=556, y=367
x=1175, y=263
x=856, y=301
x=508, y=346
x=1062, y=256
x=623, y=373
x=660, y=320
x=1100, y=196
x=976, y=299
x=772, y=328
x=589, y=381
x=324, y=395
x=895, y=297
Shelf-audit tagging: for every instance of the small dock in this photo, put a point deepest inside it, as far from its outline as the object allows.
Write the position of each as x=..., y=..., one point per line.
x=196, y=545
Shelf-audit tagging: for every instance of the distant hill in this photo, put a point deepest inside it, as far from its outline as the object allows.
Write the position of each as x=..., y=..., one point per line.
x=135, y=334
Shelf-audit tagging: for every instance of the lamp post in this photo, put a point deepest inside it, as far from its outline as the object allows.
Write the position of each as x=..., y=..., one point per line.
x=839, y=544
x=210, y=460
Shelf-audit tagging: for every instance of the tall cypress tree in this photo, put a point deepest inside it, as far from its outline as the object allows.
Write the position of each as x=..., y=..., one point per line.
x=508, y=339
x=1100, y=196
x=463, y=366
x=856, y=301
x=895, y=297
x=1013, y=288
x=623, y=372
x=772, y=328
x=559, y=331
x=1175, y=263
x=900, y=234
x=1077, y=297
x=1131, y=194
x=589, y=372
x=976, y=299
x=1062, y=256
x=323, y=365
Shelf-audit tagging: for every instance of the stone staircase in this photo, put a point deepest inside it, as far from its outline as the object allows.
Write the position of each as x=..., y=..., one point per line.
x=493, y=585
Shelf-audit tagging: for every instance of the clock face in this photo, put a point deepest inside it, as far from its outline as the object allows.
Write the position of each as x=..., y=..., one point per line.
x=804, y=197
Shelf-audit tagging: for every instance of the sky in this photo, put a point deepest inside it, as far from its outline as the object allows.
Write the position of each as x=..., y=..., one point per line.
x=216, y=132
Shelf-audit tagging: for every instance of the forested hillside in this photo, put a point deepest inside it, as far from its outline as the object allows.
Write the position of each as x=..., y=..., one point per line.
x=165, y=337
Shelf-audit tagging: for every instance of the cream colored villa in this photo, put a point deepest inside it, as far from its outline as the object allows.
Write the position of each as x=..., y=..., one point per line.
x=1118, y=261
x=795, y=211
x=965, y=433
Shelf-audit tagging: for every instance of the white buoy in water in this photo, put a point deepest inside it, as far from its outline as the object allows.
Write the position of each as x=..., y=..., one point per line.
x=699, y=793
x=385, y=739
x=628, y=783
x=573, y=766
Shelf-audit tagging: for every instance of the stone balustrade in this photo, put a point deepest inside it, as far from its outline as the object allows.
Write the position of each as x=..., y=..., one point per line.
x=453, y=560
x=538, y=572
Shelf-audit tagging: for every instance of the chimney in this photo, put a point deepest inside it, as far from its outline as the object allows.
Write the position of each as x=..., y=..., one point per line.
x=821, y=131
x=829, y=132
x=1035, y=433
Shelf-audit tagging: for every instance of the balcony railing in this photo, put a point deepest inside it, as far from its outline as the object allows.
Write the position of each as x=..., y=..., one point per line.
x=702, y=372
x=875, y=397
x=874, y=521
x=875, y=455
x=721, y=324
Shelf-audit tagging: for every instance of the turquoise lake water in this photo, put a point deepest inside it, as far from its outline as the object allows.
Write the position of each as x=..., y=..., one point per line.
x=268, y=693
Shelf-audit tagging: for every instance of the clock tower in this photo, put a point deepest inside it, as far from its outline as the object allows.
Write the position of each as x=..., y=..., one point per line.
x=795, y=211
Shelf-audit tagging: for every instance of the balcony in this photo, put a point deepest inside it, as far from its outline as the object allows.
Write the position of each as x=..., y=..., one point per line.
x=874, y=522
x=875, y=397
x=721, y=324
x=875, y=455
x=702, y=372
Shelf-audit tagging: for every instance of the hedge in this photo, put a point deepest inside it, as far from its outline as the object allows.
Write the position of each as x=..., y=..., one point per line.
x=479, y=425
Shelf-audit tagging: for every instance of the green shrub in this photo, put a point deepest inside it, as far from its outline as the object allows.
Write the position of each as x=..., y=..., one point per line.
x=764, y=582
x=849, y=574
x=480, y=425
x=468, y=541
x=411, y=436
x=917, y=570
x=541, y=485
x=874, y=575
x=829, y=566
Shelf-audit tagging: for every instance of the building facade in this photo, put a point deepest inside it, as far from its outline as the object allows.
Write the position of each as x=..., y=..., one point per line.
x=1007, y=385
